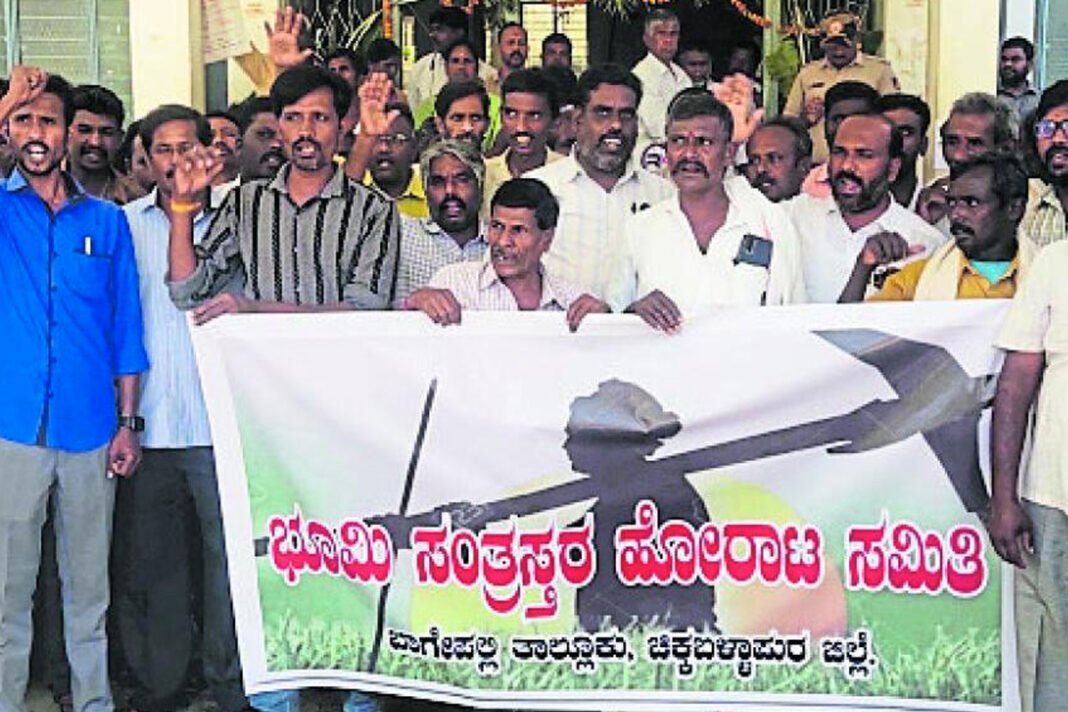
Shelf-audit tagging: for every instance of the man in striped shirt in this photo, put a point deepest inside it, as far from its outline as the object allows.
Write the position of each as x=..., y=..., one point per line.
x=308, y=240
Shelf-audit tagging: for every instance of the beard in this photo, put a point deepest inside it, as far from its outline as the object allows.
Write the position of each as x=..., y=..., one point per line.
x=868, y=197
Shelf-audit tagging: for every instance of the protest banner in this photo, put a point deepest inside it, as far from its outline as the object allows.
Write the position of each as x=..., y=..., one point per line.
x=776, y=507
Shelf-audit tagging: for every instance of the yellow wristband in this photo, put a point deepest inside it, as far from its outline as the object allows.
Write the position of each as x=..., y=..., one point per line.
x=181, y=206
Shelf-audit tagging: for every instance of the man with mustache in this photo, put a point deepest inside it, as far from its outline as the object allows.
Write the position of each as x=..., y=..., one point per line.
x=512, y=277
x=1017, y=59
x=385, y=151
x=94, y=141
x=1028, y=508
x=556, y=51
x=912, y=117
x=779, y=157
x=1047, y=141
x=978, y=124
x=865, y=159
x=452, y=173
x=513, y=48
x=598, y=186
x=226, y=142
x=717, y=243
x=73, y=354
x=844, y=99
x=661, y=78
x=529, y=108
x=469, y=120
x=261, y=151
x=842, y=61
x=986, y=200
x=307, y=240
x=171, y=514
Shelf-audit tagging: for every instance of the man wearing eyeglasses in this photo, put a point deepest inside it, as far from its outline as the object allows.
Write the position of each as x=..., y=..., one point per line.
x=1044, y=221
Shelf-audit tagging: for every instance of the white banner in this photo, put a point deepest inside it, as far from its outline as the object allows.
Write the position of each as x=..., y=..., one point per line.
x=774, y=508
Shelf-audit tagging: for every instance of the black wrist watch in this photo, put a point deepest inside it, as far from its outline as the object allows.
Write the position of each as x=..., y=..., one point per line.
x=133, y=423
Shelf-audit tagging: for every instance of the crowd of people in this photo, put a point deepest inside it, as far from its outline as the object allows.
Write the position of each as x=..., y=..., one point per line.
x=655, y=191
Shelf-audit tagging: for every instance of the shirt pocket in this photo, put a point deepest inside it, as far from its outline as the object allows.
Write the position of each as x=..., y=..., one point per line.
x=749, y=284
x=87, y=275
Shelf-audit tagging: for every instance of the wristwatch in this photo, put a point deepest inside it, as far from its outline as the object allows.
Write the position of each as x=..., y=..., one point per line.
x=133, y=423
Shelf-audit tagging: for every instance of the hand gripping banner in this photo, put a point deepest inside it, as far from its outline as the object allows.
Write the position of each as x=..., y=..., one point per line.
x=775, y=508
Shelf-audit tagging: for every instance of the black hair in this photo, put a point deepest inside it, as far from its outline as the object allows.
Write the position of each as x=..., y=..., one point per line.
x=460, y=42
x=556, y=38
x=802, y=139
x=693, y=45
x=509, y=25
x=1009, y=177
x=124, y=156
x=228, y=115
x=297, y=82
x=381, y=49
x=247, y=110
x=529, y=193
x=358, y=64
x=612, y=74
x=698, y=101
x=403, y=110
x=100, y=101
x=532, y=81
x=565, y=83
x=911, y=102
x=1054, y=96
x=454, y=91
x=451, y=17
x=60, y=88
x=1020, y=43
x=846, y=91
x=173, y=112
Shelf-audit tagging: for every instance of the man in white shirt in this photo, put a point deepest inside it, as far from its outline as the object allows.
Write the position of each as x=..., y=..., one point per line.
x=661, y=78
x=176, y=501
x=865, y=159
x=718, y=243
x=598, y=186
x=447, y=24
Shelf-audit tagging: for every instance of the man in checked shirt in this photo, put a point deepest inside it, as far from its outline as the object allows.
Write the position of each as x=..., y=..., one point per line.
x=310, y=239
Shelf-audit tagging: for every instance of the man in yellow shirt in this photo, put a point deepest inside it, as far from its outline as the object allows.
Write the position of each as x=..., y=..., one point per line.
x=985, y=200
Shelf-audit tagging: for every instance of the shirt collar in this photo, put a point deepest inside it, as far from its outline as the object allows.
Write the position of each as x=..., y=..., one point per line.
x=1048, y=198
x=435, y=230
x=75, y=192
x=488, y=279
x=573, y=171
x=334, y=187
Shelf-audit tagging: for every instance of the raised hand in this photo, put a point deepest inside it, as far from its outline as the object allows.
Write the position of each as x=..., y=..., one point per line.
x=374, y=94
x=26, y=84
x=736, y=93
x=194, y=173
x=283, y=40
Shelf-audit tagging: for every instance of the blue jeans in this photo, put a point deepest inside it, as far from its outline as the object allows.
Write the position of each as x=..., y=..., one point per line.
x=289, y=701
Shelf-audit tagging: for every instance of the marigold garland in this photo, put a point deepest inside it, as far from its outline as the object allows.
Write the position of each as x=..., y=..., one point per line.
x=756, y=18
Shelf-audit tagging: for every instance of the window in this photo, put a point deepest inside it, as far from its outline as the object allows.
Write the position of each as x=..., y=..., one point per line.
x=542, y=18
x=85, y=41
x=1052, y=46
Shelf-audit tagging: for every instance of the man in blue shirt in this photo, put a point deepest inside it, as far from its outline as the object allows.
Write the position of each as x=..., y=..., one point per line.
x=71, y=318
